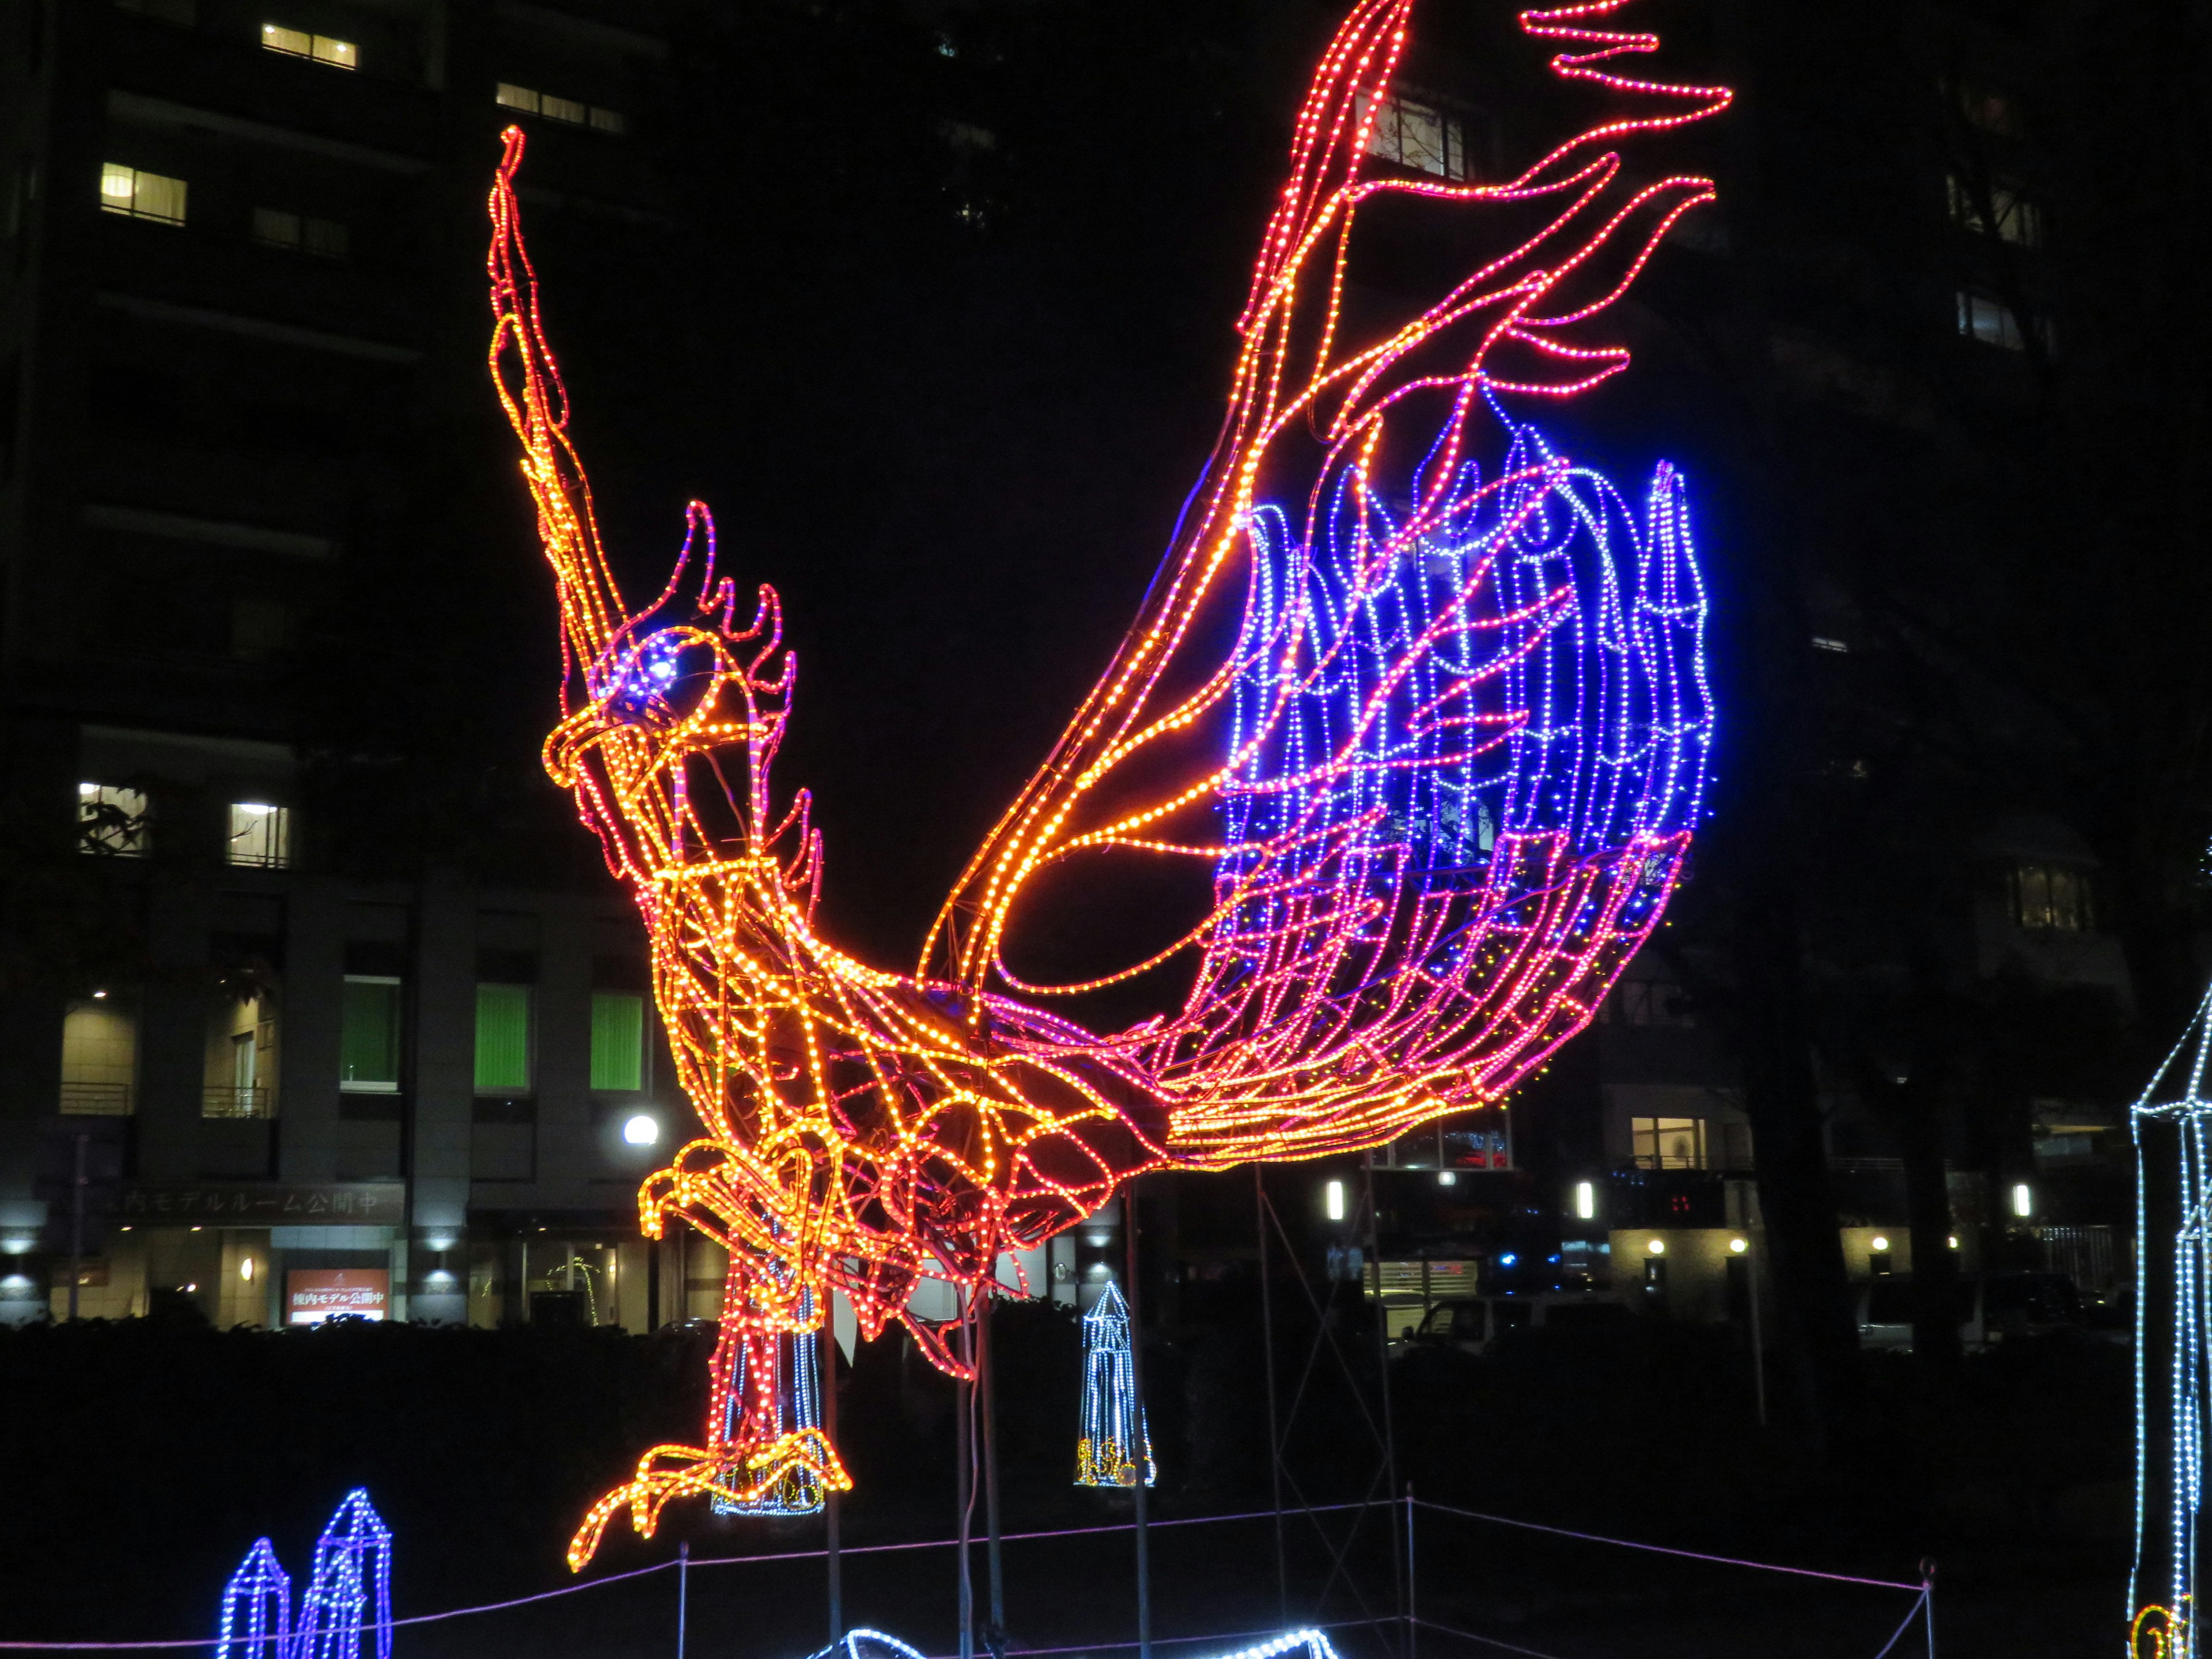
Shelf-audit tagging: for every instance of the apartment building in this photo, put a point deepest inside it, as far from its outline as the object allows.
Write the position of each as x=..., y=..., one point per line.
x=268, y=1077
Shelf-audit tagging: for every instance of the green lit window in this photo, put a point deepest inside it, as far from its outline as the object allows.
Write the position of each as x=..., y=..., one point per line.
x=502, y=1038
x=618, y=1041
x=369, y=1036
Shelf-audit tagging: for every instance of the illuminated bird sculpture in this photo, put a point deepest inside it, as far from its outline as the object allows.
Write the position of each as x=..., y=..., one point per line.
x=1426, y=698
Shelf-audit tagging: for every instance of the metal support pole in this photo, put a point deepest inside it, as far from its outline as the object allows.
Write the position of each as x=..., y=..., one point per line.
x=1412, y=1607
x=683, y=1595
x=1758, y=1346
x=994, y=1632
x=78, y=1181
x=1274, y=1434
x=830, y=1496
x=964, y=1443
x=1142, y=1455
x=1382, y=1380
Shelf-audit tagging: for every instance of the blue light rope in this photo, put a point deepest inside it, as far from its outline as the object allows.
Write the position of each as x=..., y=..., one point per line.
x=2176, y=1096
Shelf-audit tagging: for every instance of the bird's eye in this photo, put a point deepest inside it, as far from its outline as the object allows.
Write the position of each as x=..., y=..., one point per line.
x=665, y=675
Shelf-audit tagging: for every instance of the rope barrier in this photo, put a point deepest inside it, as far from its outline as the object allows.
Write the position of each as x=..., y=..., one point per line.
x=1487, y=1641
x=1662, y=1549
x=1919, y=1590
x=1185, y=1641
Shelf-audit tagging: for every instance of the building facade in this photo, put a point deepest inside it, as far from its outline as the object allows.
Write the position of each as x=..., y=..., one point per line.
x=247, y=1069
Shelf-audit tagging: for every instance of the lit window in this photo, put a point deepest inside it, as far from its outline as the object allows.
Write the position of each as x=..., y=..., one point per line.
x=1668, y=1143
x=99, y=1057
x=502, y=1038
x=369, y=1035
x=137, y=194
x=241, y=1057
x=1420, y=137
x=2050, y=898
x=298, y=43
x=575, y=112
x=2018, y=220
x=260, y=835
x=111, y=819
x=618, y=1041
x=1985, y=319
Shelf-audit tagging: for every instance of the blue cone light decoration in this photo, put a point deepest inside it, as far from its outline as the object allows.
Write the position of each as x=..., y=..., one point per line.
x=1113, y=1417
x=346, y=1612
x=797, y=1361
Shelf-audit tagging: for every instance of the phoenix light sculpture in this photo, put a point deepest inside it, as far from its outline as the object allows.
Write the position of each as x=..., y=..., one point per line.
x=1423, y=695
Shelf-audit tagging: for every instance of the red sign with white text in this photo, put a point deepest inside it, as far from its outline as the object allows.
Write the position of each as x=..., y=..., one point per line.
x=314, y=1294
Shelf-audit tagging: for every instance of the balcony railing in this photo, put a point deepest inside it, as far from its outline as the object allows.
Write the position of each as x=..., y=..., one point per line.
x=238, y=1100
x=96, y=1099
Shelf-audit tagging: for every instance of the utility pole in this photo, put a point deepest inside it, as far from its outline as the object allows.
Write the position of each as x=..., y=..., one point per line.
x=1274, y=1434
x=78, y=1182
x=829, y=1540
x=683, y=1595
x=1757, y=1344
x=1382, y=1380
x=1141, y=1457
x=964, y=1486
x=995, y=1632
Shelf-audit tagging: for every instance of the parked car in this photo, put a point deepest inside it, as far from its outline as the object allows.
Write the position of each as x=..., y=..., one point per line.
x=1474, y=1324
x=1991, y=1309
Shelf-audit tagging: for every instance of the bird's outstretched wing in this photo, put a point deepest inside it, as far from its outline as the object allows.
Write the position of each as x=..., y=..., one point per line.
x=1446, y=772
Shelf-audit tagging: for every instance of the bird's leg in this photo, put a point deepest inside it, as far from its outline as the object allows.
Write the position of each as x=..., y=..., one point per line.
x=754, y=1432
x=752, y=1454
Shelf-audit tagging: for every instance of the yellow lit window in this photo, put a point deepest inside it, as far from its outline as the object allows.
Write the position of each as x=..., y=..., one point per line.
x=1669, y=1143
x=554, y=107
x=260, y=835
x=1418, y=136
x=2048, y=897
x=99, y=1057
x=322, y=48
x=137, y=194
x=111, y=819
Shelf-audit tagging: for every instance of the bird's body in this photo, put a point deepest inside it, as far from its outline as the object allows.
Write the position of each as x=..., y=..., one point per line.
x=1443, y=780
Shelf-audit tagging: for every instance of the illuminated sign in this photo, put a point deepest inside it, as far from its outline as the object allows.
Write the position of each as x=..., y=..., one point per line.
x=314, y=1294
